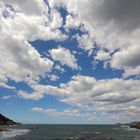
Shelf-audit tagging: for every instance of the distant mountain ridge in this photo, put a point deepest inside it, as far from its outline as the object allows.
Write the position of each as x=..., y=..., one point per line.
x=7, y=121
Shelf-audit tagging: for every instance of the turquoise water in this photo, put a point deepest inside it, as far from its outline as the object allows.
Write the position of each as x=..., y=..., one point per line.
x=70, y=132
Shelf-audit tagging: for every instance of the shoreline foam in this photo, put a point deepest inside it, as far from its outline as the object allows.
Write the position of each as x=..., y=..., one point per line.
x=9, y=133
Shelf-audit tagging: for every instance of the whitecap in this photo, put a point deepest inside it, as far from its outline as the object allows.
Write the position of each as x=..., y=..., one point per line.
x=97, y=133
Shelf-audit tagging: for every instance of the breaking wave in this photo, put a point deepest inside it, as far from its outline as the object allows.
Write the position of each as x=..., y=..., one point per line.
x=12, y=133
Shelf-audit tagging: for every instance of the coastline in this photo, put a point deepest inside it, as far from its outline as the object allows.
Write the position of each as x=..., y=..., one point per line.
x=135, y=125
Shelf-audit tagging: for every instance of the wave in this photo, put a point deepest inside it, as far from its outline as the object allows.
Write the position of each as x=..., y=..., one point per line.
x=127, y=128
x=13, y=133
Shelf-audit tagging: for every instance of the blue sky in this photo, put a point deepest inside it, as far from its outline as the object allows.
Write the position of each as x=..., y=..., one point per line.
x=69, y=62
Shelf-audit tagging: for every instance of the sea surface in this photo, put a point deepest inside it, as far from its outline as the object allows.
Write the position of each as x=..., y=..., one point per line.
x=70, y=132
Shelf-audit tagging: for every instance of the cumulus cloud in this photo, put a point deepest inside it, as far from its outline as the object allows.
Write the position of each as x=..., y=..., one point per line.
x=114, y=25
x=32, y=27
x=3, y=80
x=132, y=72
x=85, y=41
x=72, y=22
x=53, y=77
x=87, y=89
x=102, y=55
x=67, y=113
x=120, y=112
x=113, y=90
x=127, y=59
x=56, y=21
x=19, y=24
x=54, y=112
x=64, y=56
x=34, y=96
x=59, y=68
x=87, y=93
x=38, y=6
x=23, y=60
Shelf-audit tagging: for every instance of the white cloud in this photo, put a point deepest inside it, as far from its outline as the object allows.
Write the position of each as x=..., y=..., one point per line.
x=23, y=60
x=120, y=112
x=111, y=24
x=102, y=55
x=72, y=22
x=114, y=25
x=34, y=96
x=87, y=89
x=67, y=113
x=53, y=77
x=85, y=41
x=3, y=80
x=54, y=112
x=64, y=56
x=58, y=67
x=56, y=20
x=38, y=6
x=87, y=93
x=127, y=59
x=19, y=23
x=40, y=91
x=132, y=72
x=30, y=27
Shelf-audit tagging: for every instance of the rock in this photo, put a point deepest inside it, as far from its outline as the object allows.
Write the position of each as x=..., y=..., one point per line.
x=135, y=125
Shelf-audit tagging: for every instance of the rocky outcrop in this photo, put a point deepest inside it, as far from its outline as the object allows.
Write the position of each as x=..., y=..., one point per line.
x=6, y=121
x=135, y=125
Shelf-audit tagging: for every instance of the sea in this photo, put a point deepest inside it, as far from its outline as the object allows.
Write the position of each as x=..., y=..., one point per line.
x=70, y=132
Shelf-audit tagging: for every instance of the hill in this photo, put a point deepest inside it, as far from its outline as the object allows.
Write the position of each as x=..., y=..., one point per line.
x=7, y=121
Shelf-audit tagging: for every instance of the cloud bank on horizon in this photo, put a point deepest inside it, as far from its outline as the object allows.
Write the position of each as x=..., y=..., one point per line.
x=71, y=59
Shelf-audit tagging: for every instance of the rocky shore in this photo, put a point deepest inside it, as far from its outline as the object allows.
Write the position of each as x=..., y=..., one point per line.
x=135, y=125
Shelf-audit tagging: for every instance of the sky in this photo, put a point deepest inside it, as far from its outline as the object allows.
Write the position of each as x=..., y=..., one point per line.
x=70, y=61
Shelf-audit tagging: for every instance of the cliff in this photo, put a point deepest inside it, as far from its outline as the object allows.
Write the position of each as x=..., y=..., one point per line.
x=7, y=121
